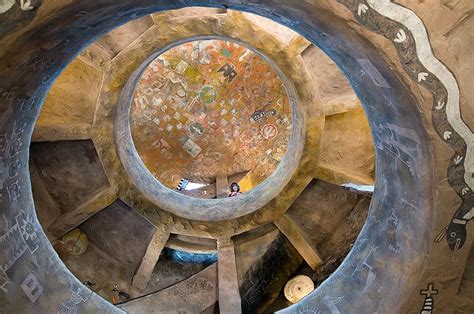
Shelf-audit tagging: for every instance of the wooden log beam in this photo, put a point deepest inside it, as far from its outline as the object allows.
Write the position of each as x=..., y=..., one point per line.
x=340, y=176
x=295, y=235
x=81, y=213
x=229, y=295
x=61, y=132
x=155, y=247
x=341, y=104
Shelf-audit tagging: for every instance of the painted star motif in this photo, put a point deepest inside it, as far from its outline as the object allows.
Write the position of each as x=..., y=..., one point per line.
x=28, y=228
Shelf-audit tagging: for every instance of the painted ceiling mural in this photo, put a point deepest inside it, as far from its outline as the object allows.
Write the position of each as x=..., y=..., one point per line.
x=210, y=108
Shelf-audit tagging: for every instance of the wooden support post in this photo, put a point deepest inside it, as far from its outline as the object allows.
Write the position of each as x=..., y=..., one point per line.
x=295, y=235
x=222, y=187
x=149, y=260
x=229, y=295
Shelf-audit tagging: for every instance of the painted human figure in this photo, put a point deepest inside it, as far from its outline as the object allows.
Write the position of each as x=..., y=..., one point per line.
x=234, y=189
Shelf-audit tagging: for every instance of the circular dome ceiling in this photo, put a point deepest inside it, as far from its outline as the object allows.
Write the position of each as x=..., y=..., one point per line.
x=174, y=102
x=210, y=108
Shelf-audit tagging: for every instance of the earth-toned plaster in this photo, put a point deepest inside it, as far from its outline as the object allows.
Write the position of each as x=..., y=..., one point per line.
x=209, y=108
x=414, y=188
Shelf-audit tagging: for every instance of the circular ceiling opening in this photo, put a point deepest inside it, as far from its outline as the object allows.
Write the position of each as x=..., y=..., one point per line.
x=209, y=113
x=204, y=113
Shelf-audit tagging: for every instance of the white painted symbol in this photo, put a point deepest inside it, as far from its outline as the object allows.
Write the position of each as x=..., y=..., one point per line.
x=181, y=93
x=27, y=228
x=77, y=297
x=458, y=159
x=244, y=55
x=32, y=288
x=422, y=76
x=269, y=131
x=362, y=8
x=428, y=302
x=469, y=215
x=157, y=101
x=447, y=135
x=465, y=191
x=401, y=36
x=141, y=102
x=26, y=5
x=191, y=104
x=440, y=105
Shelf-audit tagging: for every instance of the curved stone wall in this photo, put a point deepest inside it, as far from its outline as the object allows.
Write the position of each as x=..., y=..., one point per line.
x=390, y=260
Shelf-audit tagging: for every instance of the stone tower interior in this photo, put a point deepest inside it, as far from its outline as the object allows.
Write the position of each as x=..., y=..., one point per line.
x=236, y=156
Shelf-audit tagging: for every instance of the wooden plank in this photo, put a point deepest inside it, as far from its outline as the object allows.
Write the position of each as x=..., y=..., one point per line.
x=149, y=260
x=81, y=213
x=229, y=295
x=295, y=235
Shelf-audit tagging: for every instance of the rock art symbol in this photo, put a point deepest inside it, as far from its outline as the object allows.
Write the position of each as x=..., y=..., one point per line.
x=440, y=105
x=208, y=94
x=422, y=76
x=458, y=160
x=26, y=5
x=196, y=129
x=192, y=148
x=269, y=131
x=401, y=36
x=228, y=71
x=32, y=288
x=3, y=280
x=362, y=8
x=428, y=302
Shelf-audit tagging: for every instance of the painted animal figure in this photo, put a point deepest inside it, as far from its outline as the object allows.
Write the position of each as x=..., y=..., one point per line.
x=456, y=231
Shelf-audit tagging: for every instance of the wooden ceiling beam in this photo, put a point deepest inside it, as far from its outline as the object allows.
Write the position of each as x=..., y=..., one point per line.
x=297, y=238
x=229, y=295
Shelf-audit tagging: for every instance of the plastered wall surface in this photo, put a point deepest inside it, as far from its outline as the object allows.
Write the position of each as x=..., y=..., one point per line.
x=412, y=99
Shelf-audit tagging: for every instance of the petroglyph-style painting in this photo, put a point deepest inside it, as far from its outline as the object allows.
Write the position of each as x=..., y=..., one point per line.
x=409, y=32
x=210, y=108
